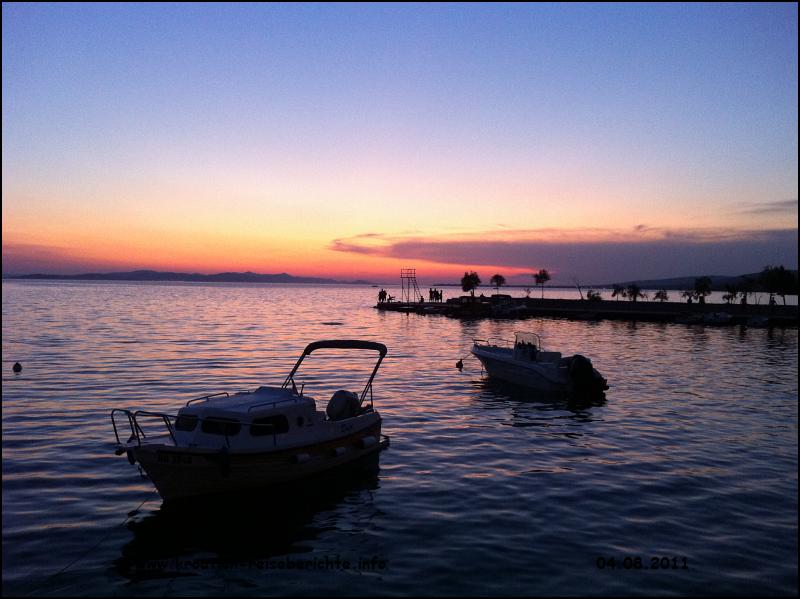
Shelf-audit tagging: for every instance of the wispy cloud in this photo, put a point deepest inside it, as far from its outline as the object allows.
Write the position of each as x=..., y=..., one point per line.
x=355, y=245
x=776, y=208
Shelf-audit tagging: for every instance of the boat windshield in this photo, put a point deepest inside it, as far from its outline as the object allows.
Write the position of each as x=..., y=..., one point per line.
x=527, y=339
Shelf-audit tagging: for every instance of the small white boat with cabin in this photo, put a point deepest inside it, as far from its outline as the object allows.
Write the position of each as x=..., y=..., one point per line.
x=226, y=443
x=526, y=363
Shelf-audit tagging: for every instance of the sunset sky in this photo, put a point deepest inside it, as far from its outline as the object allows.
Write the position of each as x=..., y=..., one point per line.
x=603, y=142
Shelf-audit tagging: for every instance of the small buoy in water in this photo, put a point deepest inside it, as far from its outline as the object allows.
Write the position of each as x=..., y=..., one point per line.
x=17, y=367
x=460, y=364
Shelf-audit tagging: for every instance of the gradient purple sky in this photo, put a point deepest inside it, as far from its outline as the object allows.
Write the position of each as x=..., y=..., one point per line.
x=604, y=142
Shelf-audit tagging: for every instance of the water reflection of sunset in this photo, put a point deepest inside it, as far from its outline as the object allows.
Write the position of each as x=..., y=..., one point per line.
x=683, y=424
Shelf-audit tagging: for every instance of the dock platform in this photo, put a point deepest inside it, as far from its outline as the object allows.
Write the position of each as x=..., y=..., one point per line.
x=488, y=307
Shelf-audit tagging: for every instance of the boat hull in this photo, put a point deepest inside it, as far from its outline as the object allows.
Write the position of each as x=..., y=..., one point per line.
x=180, y=473
x=499, y=363
x=526, y=375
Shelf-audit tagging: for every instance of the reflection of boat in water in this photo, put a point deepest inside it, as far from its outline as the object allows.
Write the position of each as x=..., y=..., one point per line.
x=689, y=318
x=231, y=532
x=533, y=401
x=717, y=318
x=508, y=310
x=758, y=322
x=528, y=365
x=711, y=318
x=229, y=443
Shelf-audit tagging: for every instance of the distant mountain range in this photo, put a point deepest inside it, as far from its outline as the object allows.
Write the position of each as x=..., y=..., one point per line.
x=718, y=282
x=223, y=277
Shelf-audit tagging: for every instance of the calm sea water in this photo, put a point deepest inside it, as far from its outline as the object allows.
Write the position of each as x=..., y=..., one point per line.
x=486, y=489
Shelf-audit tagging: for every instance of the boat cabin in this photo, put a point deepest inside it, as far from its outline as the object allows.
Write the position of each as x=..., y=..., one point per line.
x=267, y=417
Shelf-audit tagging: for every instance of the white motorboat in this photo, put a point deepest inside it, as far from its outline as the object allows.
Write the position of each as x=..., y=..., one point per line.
x=526, y=363
x=225, y=442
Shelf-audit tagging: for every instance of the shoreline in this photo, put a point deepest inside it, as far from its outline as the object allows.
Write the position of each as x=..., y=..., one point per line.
x=576, y=309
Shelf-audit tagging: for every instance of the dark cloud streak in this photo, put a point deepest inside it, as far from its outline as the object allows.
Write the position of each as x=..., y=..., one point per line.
x=672, y=253
x=780, y=207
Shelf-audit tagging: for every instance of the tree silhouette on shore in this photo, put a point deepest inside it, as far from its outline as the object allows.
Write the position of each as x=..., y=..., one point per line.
x=778, y=281
x=541, y=278
x=497, y=281
x=731, y=292
x=634, y=292
x=747, y=287
x=661, y=295
x=702, y=288
x=470, y=281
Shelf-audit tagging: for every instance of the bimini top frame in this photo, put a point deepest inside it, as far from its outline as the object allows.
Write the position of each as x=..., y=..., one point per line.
x=342, y=344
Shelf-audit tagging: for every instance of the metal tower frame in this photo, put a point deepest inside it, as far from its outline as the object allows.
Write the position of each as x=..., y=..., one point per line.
x=408, y=282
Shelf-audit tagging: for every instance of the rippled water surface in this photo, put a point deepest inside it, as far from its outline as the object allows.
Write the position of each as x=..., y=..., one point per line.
x=486, y=489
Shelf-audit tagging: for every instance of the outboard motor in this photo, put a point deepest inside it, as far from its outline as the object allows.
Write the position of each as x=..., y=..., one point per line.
x=582, y=373
x=343, y=404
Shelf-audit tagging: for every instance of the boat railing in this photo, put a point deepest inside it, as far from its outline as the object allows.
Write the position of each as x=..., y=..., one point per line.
x=493, y=342
x=134, y=426
x=275, y=402
x=138, y=434
x=207, y=397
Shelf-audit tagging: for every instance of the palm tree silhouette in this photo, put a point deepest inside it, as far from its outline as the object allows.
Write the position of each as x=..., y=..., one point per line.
x=634, y=292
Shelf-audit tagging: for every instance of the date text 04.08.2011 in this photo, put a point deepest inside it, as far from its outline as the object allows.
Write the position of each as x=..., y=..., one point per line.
x=640, y=563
